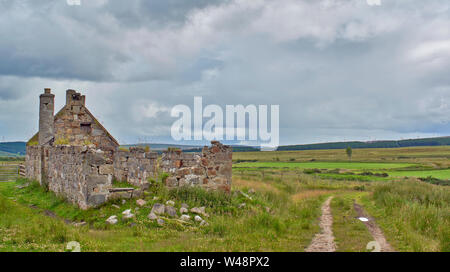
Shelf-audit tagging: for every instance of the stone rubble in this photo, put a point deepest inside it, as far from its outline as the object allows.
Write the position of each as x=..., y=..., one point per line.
x=127, y=214
x=160, y=222
x=171, y=211
x=158, y=208
x=112, y=220
x=141, y=202
x=183, y=210
x=185, y=217
x=152, y=216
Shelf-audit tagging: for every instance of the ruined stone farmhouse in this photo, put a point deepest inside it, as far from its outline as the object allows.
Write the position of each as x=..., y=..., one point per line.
x=74, y=156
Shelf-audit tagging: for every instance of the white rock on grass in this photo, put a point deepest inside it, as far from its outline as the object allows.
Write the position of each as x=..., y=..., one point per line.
x=112, y=220
x=183, y=210
x=115, y=206
x=141, y=202
x=245, y=195
x=127, y=214
x=185, y=217
x=184, y=205
x=198, y=218
x=170, y=203
x=161, y=222
x=80, y=224
x=200, y=211
x=152, y=216
x=158, y=208
x=204, y=223
x=171, y=211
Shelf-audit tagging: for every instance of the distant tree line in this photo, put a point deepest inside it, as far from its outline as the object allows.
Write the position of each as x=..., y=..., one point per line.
x=376, y=144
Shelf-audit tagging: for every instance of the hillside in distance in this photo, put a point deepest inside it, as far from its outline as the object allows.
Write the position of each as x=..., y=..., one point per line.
x=439, y=141
x=14, y=149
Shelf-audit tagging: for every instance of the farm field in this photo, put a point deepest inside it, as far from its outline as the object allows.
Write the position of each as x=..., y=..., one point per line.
x=327, y=165
x=276, y=204
x=420, y=162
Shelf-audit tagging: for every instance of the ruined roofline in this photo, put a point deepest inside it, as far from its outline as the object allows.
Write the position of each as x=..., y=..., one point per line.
x=33, y=140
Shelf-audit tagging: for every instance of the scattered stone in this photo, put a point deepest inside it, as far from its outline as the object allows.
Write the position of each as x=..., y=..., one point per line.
x=183, y=210
x=115, y=206
x=268, y=210
x=245, y=195
x=155, y=198
x=160, y=222
x=23, y=186
x=242, y=205
x=170, y=203
x=198, y=218
x=112, y=220
x=141, y=202
x=171, y=211
x=200, y=211
x=152, y=216
x=80, y=224
x=124, y=201
x=251, y=191
x=127, y=214
x=185, y=217
x=184, y=205
x=158, y=208
x=204, y=223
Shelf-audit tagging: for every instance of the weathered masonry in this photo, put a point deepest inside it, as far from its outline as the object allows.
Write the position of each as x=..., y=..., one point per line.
x=74, y=156
x=211, y=169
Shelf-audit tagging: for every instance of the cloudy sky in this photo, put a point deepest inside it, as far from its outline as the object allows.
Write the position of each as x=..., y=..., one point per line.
x=339, y=69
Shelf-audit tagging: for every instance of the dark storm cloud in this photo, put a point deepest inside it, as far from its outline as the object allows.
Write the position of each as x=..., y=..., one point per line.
x=339, y=69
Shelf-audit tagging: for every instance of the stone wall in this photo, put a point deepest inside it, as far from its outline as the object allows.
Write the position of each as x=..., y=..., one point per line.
x=75, y=125
x=211, y=169
x=33, y=163
x=135, y=166
x=81, y=175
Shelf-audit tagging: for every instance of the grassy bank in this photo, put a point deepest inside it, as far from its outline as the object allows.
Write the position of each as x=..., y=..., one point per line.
x=415, y=216
x=270, y=221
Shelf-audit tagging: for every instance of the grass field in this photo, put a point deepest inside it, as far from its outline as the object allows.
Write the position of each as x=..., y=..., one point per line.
x=281, y=213
x=326, y=165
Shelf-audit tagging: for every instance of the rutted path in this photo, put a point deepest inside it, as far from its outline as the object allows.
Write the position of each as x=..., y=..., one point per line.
x=324, y=241
x=373, y=228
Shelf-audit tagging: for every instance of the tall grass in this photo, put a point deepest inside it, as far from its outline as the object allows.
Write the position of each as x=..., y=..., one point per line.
x=417, y=213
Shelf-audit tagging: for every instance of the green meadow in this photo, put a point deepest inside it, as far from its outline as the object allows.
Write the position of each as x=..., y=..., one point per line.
x=275, y=205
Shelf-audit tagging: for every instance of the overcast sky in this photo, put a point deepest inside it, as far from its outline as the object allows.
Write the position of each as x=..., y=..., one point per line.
x=339, y=69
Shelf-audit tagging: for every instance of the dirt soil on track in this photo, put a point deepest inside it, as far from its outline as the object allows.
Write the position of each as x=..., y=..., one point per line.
x=324, y=241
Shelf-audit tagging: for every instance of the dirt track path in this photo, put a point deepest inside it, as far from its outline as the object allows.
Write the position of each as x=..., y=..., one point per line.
x=324, y=241
x=373, y=228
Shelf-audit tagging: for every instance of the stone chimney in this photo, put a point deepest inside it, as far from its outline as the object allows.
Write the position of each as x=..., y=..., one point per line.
x=75, y=99
x=46, y=117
